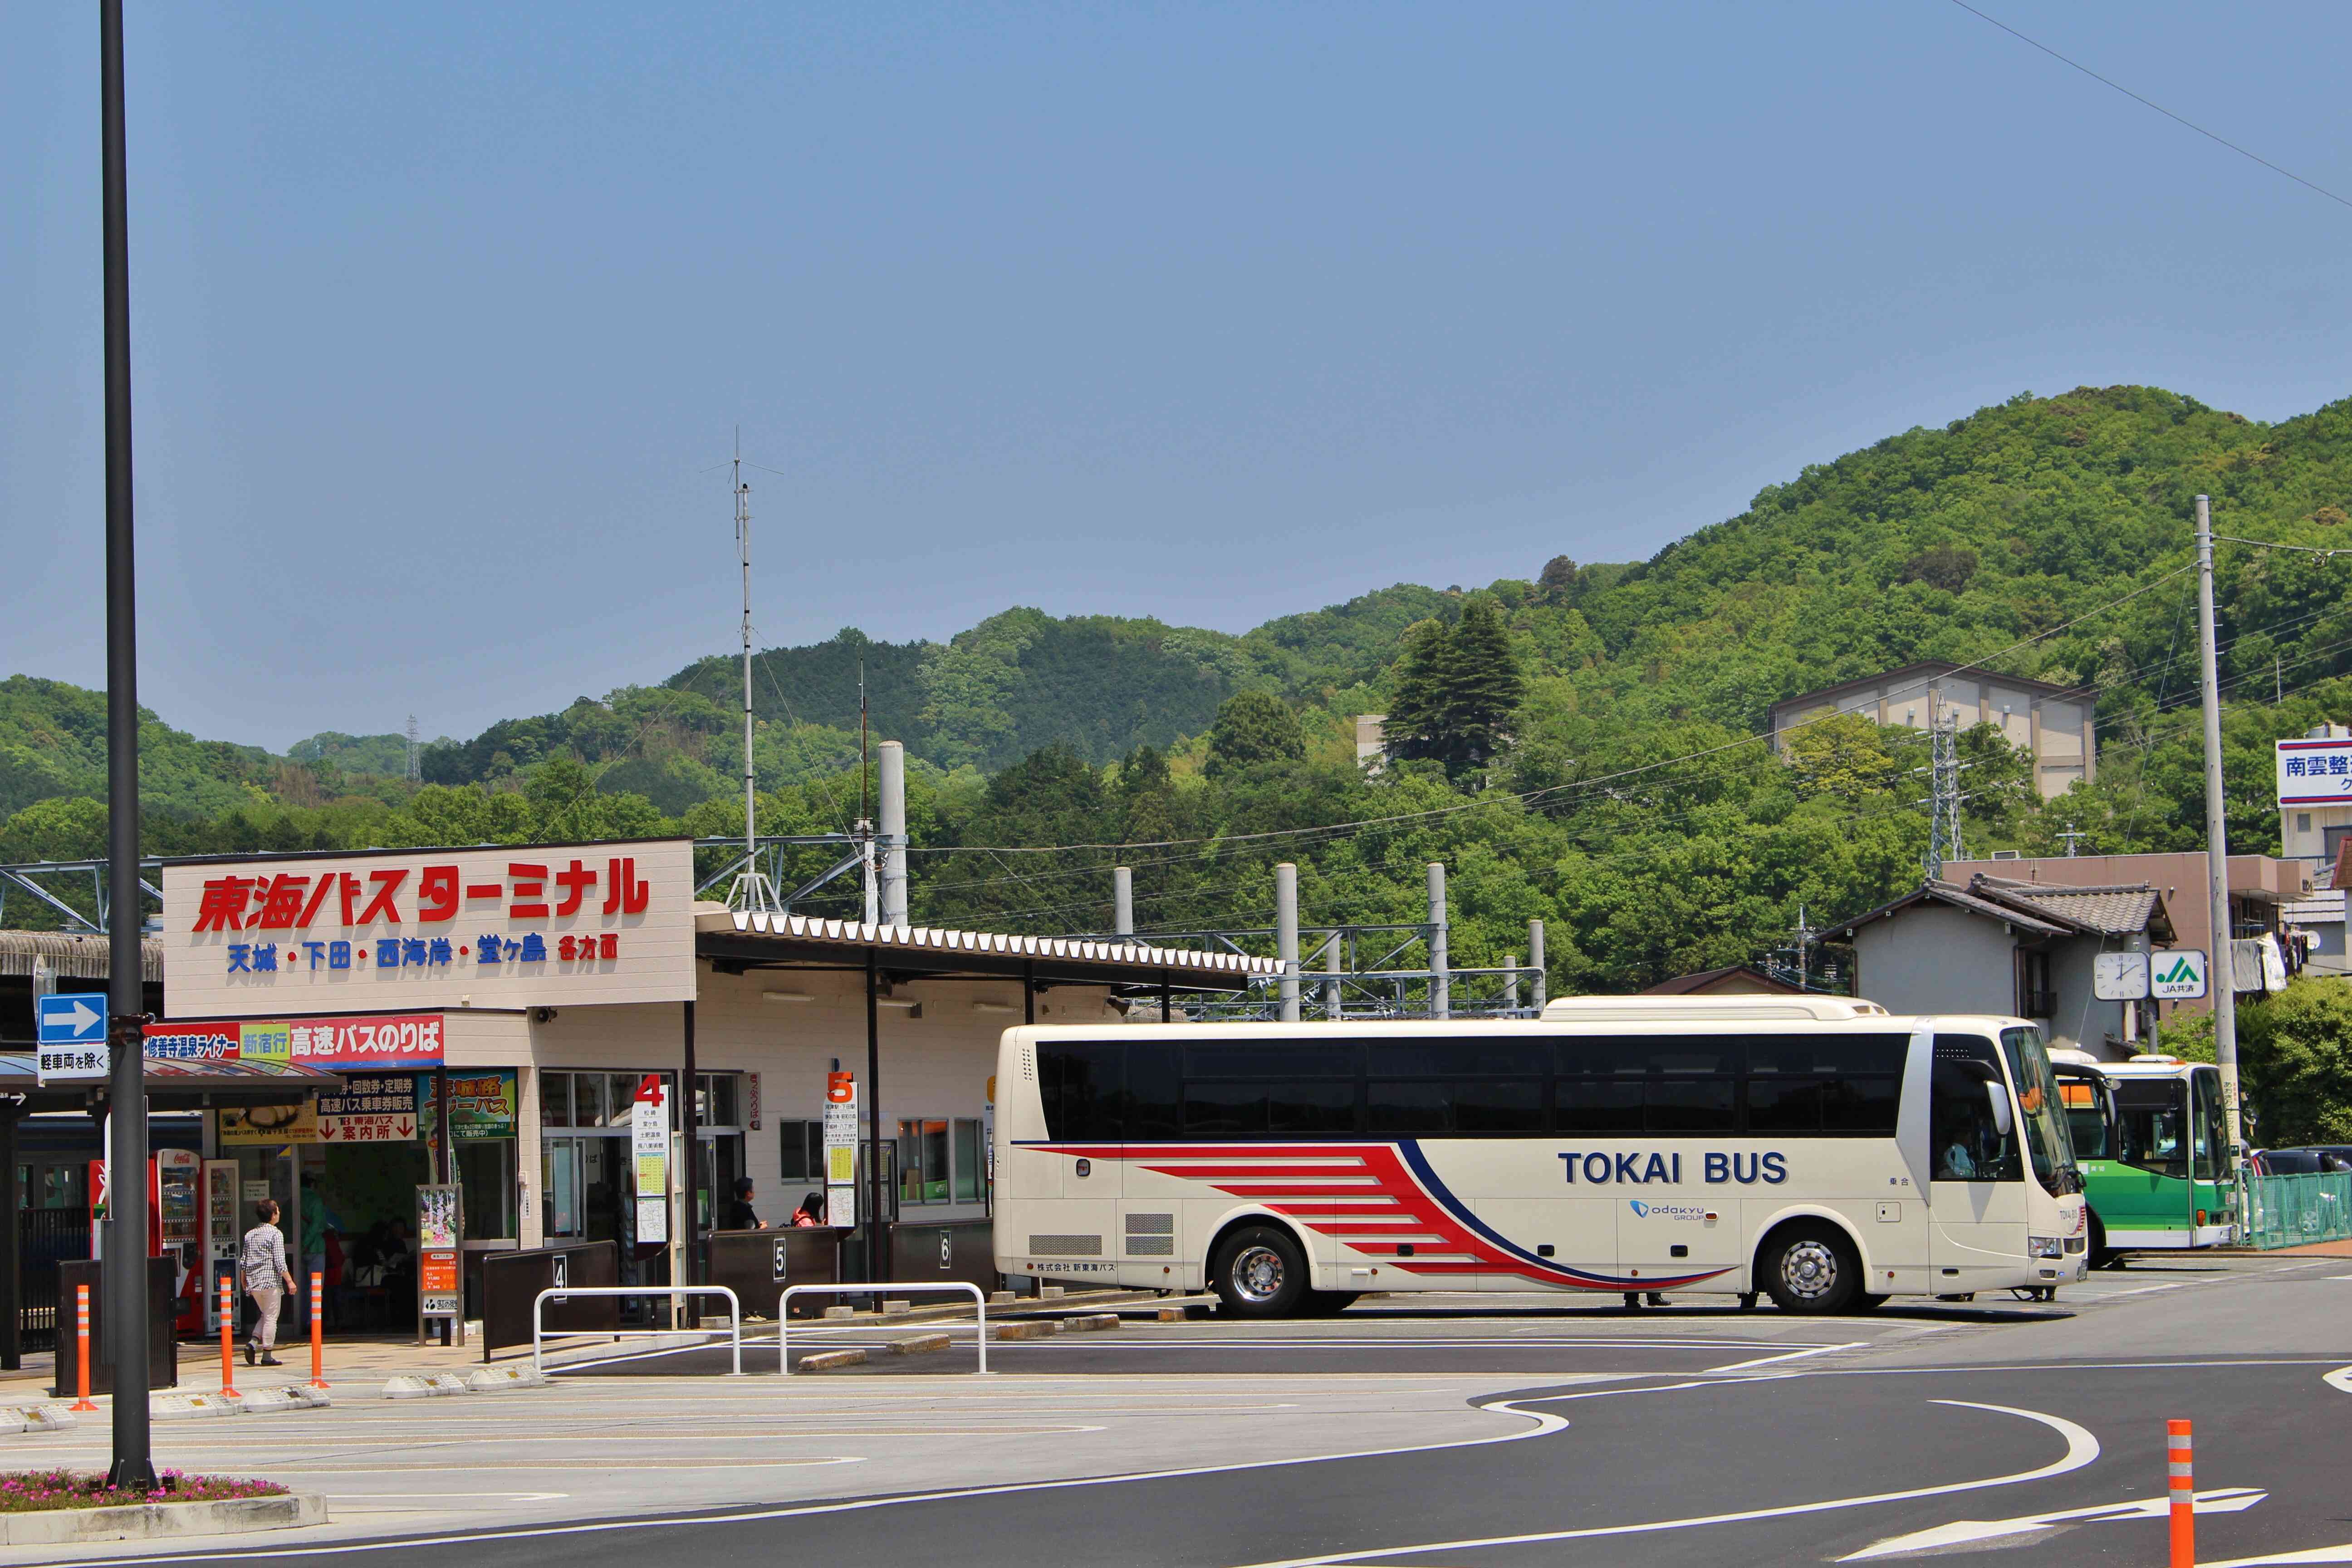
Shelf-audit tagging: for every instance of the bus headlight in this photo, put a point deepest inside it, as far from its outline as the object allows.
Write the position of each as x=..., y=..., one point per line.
x=2045, y=1247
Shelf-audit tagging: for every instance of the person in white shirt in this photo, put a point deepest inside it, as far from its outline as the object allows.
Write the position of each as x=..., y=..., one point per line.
x=262, y=1261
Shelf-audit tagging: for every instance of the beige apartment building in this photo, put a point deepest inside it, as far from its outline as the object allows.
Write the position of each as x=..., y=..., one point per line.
x=2056, y=724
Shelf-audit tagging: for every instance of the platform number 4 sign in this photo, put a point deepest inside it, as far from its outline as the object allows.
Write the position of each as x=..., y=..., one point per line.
x=2178, y=976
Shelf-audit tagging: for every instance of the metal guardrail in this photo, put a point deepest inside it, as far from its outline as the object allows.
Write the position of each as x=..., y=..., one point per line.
x=2295, y=1211
x=783, y=1325
x=734, y=1314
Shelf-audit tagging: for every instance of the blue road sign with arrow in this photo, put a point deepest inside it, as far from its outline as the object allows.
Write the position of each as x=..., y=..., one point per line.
x=71, y=1033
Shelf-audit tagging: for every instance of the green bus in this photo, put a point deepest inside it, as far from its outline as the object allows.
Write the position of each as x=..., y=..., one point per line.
x=2148, y=1135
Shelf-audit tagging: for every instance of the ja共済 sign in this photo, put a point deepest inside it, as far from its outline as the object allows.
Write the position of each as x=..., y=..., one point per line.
x=531, y=927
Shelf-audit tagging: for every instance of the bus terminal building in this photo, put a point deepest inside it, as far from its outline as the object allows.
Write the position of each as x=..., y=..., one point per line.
x=515, y=1000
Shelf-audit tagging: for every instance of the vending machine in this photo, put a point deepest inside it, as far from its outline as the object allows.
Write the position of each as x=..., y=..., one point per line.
x=220, y=1238
x=178, y=1215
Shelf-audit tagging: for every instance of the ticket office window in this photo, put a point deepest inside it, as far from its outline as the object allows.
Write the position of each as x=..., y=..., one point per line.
x=939, y=1161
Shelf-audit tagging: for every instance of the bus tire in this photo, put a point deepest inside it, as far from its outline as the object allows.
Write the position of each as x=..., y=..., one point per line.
x=1810, y=1266
x=2102, y=1257
x=1261, y=1273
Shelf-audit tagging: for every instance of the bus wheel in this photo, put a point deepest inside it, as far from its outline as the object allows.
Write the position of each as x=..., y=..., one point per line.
x=1260, y=1273
x=2102, y=1255
x=1812, y=1268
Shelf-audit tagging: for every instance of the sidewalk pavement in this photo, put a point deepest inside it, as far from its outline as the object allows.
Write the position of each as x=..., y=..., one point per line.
x=359, y=1367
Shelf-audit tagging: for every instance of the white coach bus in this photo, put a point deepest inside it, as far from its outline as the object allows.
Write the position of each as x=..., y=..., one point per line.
x=1818, y=1149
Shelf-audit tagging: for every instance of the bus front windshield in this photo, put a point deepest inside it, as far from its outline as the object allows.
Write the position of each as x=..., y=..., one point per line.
x=2046, y=1120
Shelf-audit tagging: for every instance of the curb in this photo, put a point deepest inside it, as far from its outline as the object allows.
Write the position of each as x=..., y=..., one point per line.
x=921, y=1345
x=497, y=1380
x=409, y=1385
x=147, y=1521
x=831, y=1361
x=1090, y=1322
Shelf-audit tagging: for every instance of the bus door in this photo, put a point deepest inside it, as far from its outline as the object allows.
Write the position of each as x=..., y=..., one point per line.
x=1977, y=1192
x=1083, y=1086
x=2146, y=1192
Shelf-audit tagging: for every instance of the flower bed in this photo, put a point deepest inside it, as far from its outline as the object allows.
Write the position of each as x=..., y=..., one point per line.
x=42, y=1491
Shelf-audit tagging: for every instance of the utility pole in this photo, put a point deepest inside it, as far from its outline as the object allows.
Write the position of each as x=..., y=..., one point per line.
x=2217, y=840
x=125, y=1282
x=2069, y=836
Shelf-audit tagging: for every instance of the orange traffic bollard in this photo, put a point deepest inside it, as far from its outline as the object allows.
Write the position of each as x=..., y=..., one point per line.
x=318, y=1342
x=2184, y=1494
x=81, y=1331
x=228, y=1332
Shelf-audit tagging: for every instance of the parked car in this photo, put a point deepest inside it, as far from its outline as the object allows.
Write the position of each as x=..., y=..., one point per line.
x=2288, y=1163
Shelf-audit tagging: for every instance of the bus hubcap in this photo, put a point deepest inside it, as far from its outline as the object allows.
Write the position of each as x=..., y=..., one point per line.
x=1809, y=1270
x=1257, y=1273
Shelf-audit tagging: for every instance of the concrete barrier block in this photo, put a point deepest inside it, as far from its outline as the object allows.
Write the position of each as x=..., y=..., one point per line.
x=1090, y=1322
x=56, y=1416
x=1036, y=1329
x=1170, y=1314
x=497, y=1379
x=191, y=1406
x=999, y=1297
x=922, y=1344
x=289, y=1396
x=409, y=1385
x=830, y=1361
x=841, y=1311
x=12, y=1419
x=1049, y=1291
x=893, y=1309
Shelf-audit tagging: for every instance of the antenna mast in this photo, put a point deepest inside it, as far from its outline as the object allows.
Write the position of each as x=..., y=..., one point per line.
x=750, y=890
x=865, y=817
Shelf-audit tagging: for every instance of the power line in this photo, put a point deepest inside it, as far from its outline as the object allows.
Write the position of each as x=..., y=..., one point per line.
x=2151, y=103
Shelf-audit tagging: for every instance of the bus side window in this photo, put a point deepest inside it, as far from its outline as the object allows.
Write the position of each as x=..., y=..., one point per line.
x=1966, y=1141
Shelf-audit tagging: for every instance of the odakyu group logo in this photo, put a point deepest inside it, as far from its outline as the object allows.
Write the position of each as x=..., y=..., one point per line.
x=1665, y=1211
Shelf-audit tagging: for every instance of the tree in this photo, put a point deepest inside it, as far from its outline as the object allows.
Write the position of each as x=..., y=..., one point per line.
x=1253, y=726
x=1843, y=756
x=1557, y=584
x=1483, y=684
x=1456, y=690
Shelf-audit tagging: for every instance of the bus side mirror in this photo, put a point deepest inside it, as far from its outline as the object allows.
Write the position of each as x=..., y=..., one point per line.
x=2003, y=1123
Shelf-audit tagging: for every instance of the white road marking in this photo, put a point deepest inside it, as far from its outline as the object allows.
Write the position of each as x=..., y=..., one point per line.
x=2081, y=1449
x=1543, y=1424
x=2141, y=1290
x=1790, y=1355
x=1960, y=1533
x=2317, y=1555
x=2340, y=1380
x=393, y=1497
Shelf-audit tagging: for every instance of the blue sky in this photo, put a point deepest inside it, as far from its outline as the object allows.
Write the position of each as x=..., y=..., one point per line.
x=442, y=313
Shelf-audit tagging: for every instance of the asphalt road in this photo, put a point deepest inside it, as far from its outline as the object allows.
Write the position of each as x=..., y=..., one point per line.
x=1449, y=1433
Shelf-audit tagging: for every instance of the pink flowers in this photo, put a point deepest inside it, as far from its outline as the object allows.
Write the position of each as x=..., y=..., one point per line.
x=26, y=1491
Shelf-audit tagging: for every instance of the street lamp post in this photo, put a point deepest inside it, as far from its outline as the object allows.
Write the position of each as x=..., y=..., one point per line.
x=126, y=1259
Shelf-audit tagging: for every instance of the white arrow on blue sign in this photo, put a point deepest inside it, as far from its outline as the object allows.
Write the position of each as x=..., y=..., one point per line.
x=71, y=1036
x=77, y=1018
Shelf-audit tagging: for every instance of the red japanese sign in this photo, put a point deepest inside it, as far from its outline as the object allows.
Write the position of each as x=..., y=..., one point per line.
x=430, y=929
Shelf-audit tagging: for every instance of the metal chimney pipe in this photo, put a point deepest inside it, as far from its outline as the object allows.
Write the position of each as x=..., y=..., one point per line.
x=1441, y=983
x=892, y=757
x=1286, y=936
x=1122, y=900
x=1536, y=963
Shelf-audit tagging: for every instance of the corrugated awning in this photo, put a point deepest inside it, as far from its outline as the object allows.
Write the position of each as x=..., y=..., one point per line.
x=78, y=957
x=177, y=1085
x=736, y=933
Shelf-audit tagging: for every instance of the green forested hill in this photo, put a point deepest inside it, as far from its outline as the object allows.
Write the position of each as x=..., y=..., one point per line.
x=1630, y=804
